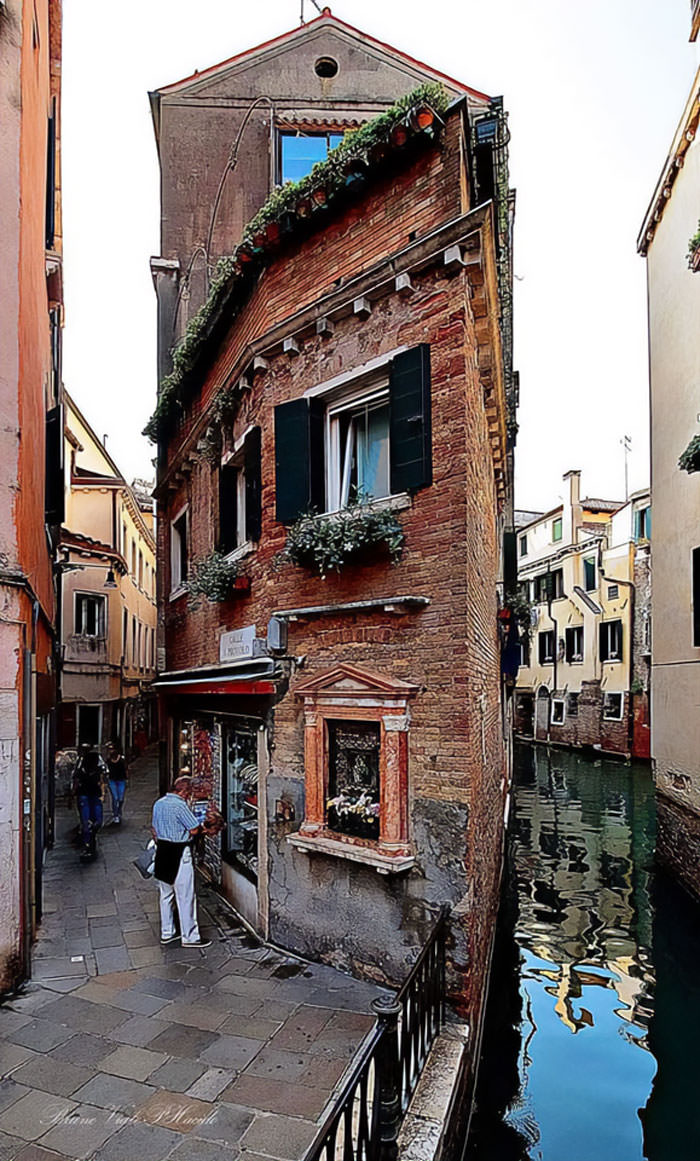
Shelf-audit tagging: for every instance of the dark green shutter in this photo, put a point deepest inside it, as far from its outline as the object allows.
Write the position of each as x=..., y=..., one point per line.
x=253, y=484
x=54, y=485
x=696, y=597
x=510, y=562
x=228, y=507
x=298, y=458
x=410, y=438
x=603, y=642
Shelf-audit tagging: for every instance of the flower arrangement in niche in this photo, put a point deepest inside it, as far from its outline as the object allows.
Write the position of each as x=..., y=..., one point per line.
x=329, y=542
x=354, y=814
x=694, y=250
x=212, y=577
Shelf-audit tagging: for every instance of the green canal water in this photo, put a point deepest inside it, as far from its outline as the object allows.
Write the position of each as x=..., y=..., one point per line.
x=591, y=1046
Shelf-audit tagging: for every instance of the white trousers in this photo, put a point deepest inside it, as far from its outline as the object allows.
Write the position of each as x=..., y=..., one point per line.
x=182, y=893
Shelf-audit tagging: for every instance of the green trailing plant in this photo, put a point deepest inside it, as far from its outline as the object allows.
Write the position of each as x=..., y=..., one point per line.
x=328, y=543
x=521, y=608
x=690, y=459
x=693, y=246
x=231, y=277
x=211, y=577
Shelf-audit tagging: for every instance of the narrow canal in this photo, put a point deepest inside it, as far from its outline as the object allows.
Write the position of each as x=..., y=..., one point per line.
x=592, y=1037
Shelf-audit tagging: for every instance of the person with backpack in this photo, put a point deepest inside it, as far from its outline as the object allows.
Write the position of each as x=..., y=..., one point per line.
x=117, y=775
x=87, y=786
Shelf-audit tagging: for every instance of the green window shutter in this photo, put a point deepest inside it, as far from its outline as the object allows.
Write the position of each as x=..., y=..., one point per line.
x=228, y=507
x=253, y=484
x=510, y=562
x=410, y=437
x=298, y=458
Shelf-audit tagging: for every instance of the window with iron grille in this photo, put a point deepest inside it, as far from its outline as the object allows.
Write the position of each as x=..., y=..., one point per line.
x=353, y=778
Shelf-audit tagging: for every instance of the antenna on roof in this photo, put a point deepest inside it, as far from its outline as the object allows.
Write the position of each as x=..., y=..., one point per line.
x=316, y=6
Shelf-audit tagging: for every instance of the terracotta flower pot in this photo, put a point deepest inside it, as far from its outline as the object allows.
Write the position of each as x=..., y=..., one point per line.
x=272, y=233
x=303, y=208
x=319, y=197
x=399, y=135
x=695, y=260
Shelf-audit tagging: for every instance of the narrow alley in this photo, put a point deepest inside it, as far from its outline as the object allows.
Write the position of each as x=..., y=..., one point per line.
x=119, y=1048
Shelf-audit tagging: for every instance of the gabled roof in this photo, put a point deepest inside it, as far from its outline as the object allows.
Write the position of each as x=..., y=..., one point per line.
x=326, y=19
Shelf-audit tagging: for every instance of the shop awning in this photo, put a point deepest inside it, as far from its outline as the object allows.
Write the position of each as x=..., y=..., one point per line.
x=241, y=678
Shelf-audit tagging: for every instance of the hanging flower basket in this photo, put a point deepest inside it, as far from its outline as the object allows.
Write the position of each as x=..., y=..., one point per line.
x=273, y=232
x=399, y=135
x=213, y=577
x=319, y=197
x=422, y=118
x=304, y=207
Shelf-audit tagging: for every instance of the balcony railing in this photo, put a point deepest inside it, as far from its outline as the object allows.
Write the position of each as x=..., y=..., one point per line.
x=363, y=1123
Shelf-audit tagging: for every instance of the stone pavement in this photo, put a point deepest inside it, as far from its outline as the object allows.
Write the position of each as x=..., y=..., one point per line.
x=121, y=1050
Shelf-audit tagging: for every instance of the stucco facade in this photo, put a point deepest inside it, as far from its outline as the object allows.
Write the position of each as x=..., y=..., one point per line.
x=30, y=400
x=674, y=370
x=583, y=568
x=108, y=631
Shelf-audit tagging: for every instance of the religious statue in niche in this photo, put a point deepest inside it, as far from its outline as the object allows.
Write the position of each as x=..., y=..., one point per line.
x=353, y=778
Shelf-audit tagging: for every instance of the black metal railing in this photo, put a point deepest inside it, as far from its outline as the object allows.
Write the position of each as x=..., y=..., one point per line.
x=364, y=1121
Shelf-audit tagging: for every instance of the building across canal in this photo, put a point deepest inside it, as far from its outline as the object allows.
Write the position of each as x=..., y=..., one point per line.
x=590, y=1044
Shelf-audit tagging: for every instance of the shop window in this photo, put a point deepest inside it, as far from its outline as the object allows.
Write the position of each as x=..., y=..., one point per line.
x=178, y=551
x=572, y=705
x=523, y=545
x=370, y=438
x=574, y=643
x=240, y=799
x=356, y=767
x=90, y=615
x=558, y=711
x=557, y=528
x=612, y=707
x=353, y=778
x=589, y=574
x=546, y=647
x=611, y=641
x=299, y=152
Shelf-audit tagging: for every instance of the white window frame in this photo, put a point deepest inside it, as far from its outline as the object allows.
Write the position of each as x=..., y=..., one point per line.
x=577, y=658
x=613, y=717
x=101, y=618
x=522, y=544
x=610, y=660
x=177, y=585
x=236, y=460
x=557, y=701
x=351, y=399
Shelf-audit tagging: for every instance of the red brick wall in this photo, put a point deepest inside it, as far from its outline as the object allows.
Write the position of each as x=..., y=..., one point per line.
x=451, y=555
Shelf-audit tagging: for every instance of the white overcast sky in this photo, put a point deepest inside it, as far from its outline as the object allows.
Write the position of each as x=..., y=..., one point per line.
x=594, y=89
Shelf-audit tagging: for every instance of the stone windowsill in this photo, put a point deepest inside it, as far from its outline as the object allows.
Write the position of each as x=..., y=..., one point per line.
x=175, y=594
x=240, y=552
x=321, y=844
x=395, y=503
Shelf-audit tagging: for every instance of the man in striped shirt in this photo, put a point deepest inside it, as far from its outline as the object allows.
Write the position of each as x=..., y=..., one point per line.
x=174, y=826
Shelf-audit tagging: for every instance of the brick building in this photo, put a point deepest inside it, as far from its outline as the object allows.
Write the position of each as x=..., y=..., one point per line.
x=31, y=440
x=349, y=715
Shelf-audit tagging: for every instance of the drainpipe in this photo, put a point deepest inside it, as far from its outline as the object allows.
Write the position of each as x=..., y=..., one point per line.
x=556, y=646
x=632, y=588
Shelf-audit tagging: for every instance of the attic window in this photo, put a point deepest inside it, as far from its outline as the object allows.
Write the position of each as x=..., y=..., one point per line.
x=326, y=67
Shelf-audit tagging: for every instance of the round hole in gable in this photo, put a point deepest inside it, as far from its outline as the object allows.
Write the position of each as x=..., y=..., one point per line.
x=326, y=67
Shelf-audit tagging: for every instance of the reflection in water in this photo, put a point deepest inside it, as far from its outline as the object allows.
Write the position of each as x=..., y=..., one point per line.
x=583, y=1004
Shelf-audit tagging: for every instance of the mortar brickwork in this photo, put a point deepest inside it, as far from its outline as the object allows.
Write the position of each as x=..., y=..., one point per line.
x=342, y=912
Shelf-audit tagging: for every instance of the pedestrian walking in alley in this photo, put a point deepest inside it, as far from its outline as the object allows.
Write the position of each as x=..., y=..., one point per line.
x=117, y=774
x=174, y=827
x=87, y=787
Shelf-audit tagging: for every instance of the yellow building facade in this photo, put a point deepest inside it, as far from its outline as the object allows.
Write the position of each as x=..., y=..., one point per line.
x=582, y=568
x=107, y=598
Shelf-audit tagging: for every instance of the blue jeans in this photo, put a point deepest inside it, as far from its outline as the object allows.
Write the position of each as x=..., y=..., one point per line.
x=117, y=790
x=90, y=807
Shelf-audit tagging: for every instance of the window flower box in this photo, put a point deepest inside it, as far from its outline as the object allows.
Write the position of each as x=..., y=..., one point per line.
x=216, y=578
x=356, y=533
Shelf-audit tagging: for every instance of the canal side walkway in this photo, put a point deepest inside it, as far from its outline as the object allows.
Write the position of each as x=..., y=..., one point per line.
x=119, y=1048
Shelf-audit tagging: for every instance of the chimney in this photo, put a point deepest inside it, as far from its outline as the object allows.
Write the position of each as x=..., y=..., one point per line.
x=575, y=512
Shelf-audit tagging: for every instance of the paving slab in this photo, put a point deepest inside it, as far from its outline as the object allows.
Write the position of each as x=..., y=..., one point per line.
x=140, y=1141
x=9, y=1146
x=34, y=1114
x=225, y=1124
x=35, y=1153
x=83, y=1048
x=134, y=1063
x=139, y=1031
x=192, y=1150
x=174, y=1110
x=211, y=1084
x=178, y=1075
x=11, y=1091
x=41, y=1035
x=276, y=1096
x=12, y=1055
x=115, y=1092
x=82, y=1015
x=284, y=1138
x=50, y=1076
x=82, y=1131
x=232, y=1052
